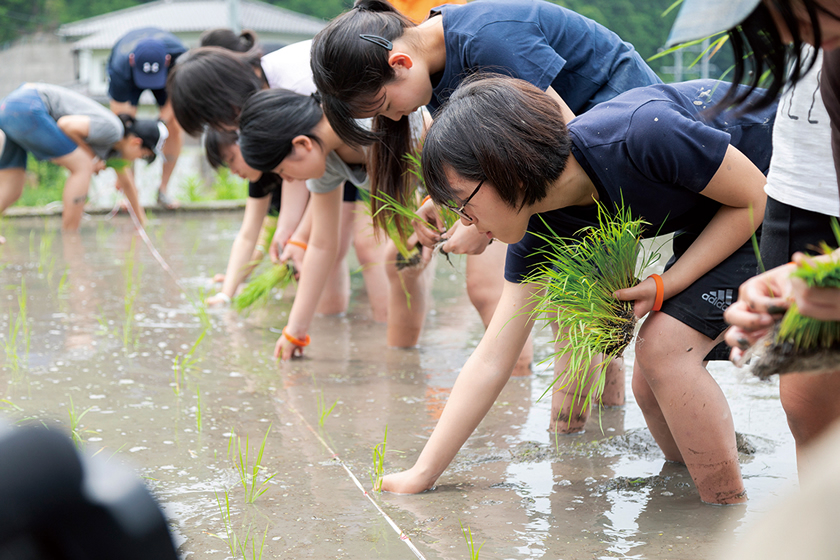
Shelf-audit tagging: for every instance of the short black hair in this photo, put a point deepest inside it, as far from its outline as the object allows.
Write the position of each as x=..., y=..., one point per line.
x=270, y=120
x=147, y=130
x=209, y=86
x=215, y=141
x=501, y=130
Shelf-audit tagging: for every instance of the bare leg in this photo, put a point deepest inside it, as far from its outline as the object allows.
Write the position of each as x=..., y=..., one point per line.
x=811, y=404
x=172, y=148
x=80, y=165
x=12, y=181
x=336, y=295
x=485, y=279
x=685, y=408
x=408, y=298
x=569, y=414
x=371, y=254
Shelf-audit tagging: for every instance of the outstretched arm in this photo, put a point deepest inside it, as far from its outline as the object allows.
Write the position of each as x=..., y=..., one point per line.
x=317, y=262
x=477, y=387
x=239, y=265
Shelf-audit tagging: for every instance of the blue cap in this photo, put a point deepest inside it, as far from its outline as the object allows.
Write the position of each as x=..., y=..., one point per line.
x=701, y=18
x=149, y=70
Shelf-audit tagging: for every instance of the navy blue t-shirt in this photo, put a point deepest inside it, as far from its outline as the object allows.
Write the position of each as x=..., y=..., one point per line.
x=118, y=64
x=541, y=43
x=269, y=183
x=651, y=150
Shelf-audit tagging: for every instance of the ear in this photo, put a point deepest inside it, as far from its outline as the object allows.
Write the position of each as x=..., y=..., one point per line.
x=302, y=142
x=131, y=59
x=400, y=60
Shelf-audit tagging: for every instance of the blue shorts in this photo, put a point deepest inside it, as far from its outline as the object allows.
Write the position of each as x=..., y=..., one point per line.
x=122, y=90
x=30, y=128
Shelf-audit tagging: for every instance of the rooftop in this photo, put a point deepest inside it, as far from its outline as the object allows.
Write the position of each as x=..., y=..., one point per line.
x=101, y=32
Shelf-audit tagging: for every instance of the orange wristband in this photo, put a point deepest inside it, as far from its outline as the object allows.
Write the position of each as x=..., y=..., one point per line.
x=296, y=341
x=660, y=292
x=426, y=199
x=300, y=244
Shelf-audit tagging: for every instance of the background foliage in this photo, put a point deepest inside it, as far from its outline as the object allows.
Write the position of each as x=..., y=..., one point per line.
x=636, y=21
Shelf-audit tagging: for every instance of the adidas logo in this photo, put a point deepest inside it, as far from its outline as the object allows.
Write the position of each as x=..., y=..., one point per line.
x=719, y=298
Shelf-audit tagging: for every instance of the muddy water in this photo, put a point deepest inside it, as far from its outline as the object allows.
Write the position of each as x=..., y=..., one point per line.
x=604, y=494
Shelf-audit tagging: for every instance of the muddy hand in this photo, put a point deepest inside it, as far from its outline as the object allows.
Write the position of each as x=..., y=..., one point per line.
x=642, y=294
x=426, y=236
x=285, y=350
x=406, y=482
x=465, y=240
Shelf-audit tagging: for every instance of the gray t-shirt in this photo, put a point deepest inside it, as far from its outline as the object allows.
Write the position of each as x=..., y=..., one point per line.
x=336, y=173
x=105, y=127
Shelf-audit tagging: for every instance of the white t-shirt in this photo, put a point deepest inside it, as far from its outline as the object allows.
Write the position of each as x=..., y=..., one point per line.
x=802, y=170
x=288, y=68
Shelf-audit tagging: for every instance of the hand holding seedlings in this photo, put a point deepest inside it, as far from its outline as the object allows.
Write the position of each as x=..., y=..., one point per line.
x=428, y=214
x=642, y=295
x=464, y=240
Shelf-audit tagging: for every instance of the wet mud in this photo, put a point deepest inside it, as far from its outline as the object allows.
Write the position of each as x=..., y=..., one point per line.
x=782, y=357
x=106, y=326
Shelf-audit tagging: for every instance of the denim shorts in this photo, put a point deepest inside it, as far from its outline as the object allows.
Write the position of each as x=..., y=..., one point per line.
x=30, y=128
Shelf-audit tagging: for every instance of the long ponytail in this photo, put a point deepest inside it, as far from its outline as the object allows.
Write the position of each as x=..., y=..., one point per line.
x=350, y=72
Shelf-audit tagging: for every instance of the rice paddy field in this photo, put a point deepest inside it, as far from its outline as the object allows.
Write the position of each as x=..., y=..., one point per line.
x=99, y=341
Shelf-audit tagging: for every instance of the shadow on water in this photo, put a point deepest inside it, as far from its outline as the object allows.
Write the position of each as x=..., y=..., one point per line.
x=105, y=325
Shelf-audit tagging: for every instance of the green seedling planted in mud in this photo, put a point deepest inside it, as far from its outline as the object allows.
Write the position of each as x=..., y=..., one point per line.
x=18, y=327
x=467, y=532
x=237, y=545
x=249, y=474
x=323, y=411
x=578, y=281
x=181, y=365
x=75, y=425
x=378, y=470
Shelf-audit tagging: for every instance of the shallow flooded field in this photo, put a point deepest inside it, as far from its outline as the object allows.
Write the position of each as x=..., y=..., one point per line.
x=92, y=322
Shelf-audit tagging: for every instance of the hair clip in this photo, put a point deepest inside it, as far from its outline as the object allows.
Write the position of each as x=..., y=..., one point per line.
x=377, y=40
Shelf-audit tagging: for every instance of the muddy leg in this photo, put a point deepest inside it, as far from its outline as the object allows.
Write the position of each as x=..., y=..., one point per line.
x=485, y=279
x=811, y=405
x=371, y=253
x=336, y=295
x=686, y=407
x=408, y=298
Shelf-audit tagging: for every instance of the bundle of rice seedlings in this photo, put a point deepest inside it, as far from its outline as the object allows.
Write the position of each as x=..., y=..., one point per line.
x=797, y=343
x=258, y=290
x=117, y=164
x=578, y=280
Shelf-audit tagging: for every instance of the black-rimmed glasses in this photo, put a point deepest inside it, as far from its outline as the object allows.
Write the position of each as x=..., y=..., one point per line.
x=460, y=209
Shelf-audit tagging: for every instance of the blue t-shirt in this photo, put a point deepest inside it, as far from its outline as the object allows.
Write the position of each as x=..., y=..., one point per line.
x=118, y=64
x=651, y=150
x=541, y=43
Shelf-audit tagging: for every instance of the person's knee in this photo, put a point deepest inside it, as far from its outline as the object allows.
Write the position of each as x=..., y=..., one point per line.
x=481, y=295
x=806, y=410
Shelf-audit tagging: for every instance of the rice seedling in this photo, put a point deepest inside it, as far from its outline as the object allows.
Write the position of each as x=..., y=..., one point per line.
x=22, y=315
x=378, y=470
x=323, y=411
x=181, y=365
x=249, y=474
x=46, y=255
x=117, y=164
x=18, y=327
x=800, y=343
x=578, y=280
x=467, y=532
x=237, y=545
x=75, y=425
x=63, y=286
x=258, y=290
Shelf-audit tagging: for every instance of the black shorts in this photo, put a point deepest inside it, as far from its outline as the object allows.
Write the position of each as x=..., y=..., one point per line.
x=701, y=305
x=350, y=192
x=788, y=229
x=122, y=91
